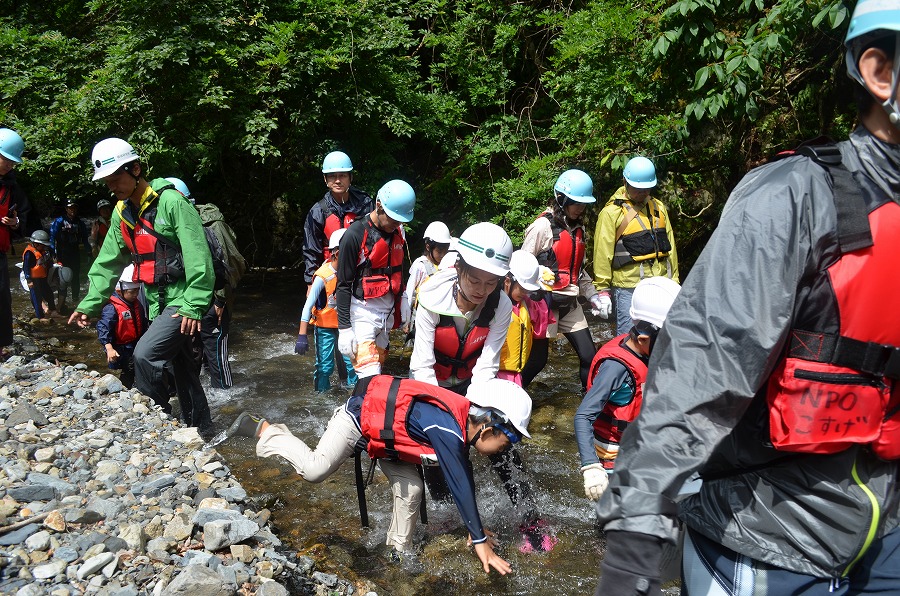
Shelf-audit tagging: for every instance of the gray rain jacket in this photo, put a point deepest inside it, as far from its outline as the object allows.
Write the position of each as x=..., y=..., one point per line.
x=705, y=411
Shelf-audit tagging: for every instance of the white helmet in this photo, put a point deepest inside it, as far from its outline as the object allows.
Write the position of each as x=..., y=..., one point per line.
x=437, y=232
x=507, y=398
x=111, y=154
x=652, y=299
x=485, y=246
x=125, y=280
x=525, y=270
x=335, y=239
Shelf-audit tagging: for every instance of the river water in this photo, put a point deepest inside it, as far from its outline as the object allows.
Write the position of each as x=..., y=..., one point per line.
x=322, y=520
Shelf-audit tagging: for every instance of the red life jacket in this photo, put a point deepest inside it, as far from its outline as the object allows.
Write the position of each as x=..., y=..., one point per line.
x=155, y=262
x=455, y=355
x=334, y=223
x=382, y=262
x=102, y=230
x=130, y=323
x=569, y=250
x=42, y=262
x=5, y=202
x=612, y=421
x=834, y=390
x=385, y=415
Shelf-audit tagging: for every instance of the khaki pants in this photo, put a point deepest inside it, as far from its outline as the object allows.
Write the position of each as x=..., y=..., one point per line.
x=335, y=446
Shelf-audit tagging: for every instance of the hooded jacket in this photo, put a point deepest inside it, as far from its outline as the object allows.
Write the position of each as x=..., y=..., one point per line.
x=762, y=273
x=176, y=220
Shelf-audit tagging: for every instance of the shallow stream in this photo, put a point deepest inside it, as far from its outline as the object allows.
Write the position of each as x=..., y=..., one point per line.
x=323, y=519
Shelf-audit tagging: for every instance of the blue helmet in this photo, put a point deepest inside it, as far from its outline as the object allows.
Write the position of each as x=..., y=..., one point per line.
x=181, y=187
x=576, y=185
x=398, y=199
x=11, y=145
x=640, y=173
x=336, y=161
x=871, y=20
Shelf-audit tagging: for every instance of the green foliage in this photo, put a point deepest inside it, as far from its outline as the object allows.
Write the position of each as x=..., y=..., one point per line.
x=480, y=104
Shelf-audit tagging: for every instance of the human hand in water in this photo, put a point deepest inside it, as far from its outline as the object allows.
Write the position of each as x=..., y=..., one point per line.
x=487, y=556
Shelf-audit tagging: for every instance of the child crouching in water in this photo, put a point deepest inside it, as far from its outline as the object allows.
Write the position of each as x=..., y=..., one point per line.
x=321, y=309
x=122, y=323
x=616, y=381
x=530, y=318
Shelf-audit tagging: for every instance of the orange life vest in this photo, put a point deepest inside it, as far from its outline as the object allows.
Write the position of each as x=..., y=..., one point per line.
x=456, y=355
x=326, y=315
x=612, y=421
x=42, y=260
x=385, y=414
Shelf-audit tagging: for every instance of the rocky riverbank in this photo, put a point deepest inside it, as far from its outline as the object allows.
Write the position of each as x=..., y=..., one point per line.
x=102, y=493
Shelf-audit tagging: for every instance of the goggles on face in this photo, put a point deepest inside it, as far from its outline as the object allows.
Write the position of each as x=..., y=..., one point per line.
x=510, y=434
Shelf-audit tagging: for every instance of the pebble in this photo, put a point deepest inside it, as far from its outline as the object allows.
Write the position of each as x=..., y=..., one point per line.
x=134, y=504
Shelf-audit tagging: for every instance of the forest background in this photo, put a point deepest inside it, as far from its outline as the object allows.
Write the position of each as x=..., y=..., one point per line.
x=479, y=104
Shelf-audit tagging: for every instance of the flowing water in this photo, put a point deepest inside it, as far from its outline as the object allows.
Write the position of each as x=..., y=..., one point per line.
x=322, y=520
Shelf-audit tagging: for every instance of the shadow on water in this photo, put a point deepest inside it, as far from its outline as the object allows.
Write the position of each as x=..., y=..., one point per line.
x=322, y=520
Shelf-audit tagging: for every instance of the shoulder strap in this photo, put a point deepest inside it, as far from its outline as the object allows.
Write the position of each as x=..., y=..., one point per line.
x=386, y=434
x=852, y=213
x=630, y=214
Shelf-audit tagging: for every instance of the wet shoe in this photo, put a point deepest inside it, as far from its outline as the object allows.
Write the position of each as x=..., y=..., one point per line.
x=408, y=562
x=537, y=537
x=246, y=425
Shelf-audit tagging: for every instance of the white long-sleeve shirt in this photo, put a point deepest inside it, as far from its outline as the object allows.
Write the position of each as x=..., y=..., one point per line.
x=436, y=299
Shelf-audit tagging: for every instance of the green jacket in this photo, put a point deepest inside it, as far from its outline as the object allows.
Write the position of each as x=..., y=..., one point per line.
x=176, y=220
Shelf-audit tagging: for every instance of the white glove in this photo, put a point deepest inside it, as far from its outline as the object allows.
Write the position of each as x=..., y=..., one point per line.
x=347, y=342
x=595, y=481
x=601, y=305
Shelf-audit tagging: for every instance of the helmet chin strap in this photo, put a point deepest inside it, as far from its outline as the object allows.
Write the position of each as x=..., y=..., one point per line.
x=477, y=435
x=890, y=105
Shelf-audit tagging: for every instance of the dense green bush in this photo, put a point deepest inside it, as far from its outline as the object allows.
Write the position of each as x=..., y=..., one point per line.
x=479, y=104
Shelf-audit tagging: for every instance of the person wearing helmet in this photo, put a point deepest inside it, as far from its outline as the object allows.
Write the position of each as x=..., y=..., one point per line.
x=100, y=226
x=618, y=372
x=776, y=379
x=437, y=242
x=37, y=260
x=342, y=204
x=633, y=240
x=370, y=278
x=153, y=227
x=463, y=316
x=68, y=235
x=530, y=317
x=121, y=324
x=430, y=426
x=556, y=238
x=211, y=344
x=321, y=309
x=14, y=209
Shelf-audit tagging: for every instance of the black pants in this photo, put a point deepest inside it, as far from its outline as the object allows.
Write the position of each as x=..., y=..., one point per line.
x=583, y=345
x=212, y=347
x=72, y=260
x=6, y=316
x=509, y=467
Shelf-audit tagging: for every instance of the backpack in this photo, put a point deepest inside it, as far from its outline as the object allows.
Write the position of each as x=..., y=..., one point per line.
x=220, y=262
